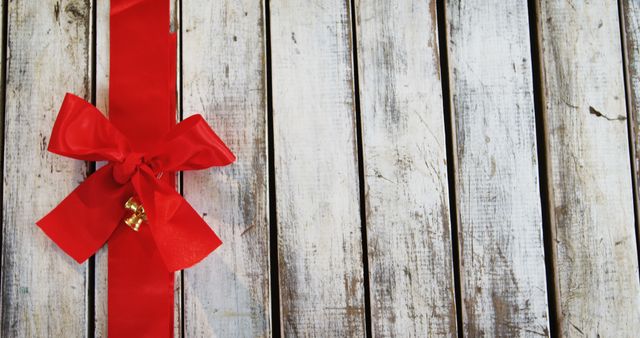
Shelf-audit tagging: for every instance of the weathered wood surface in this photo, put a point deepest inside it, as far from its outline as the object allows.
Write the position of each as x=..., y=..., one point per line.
x=502, y=266
x=591, y=201
x=224, y=79
x=630, y=14
x=102, y=102
x=44, y=291
x=405, y=169
x=101, y=288
x=316, y=170
x=585, y=129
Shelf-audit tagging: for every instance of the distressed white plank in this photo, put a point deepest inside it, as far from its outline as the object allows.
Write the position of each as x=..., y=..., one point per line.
x=631, y=20
x=44, y=291
x=405, y=166
x=227, y=295
x=102, y=102
x=591, y=201
x=319, y=238
x=2, y=88
x=502, y=265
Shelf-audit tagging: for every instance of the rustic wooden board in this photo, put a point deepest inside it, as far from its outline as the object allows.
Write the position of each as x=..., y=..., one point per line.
x=631, y=33
x=2, y=97
x=102, y=102
x=502, y=265
x=591, y=201
x=316, y=172
x=405, y=168
x=224, y=79
x=44, y=291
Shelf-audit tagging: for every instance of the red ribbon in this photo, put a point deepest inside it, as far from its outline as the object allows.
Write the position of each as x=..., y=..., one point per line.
x=85, y=220
x=141, y=142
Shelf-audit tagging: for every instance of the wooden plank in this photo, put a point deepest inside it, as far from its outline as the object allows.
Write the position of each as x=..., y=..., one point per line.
x=405, y=166
x=591, y=201
x=316, y=172
x=228, y=294
x=102, y=102
x=44, y=291
x=631, y=33
x=502, y=265
x=3, y=47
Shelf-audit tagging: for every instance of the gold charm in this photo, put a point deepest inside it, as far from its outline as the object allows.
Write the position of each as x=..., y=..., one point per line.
x=138, y=216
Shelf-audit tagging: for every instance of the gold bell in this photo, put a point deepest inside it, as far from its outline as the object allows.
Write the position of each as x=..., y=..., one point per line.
x=134, y=221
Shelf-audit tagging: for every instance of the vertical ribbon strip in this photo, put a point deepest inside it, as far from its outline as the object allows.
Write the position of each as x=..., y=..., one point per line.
x=141, y=85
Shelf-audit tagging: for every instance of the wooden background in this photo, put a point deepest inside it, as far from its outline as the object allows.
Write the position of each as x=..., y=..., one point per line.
x=407, y=168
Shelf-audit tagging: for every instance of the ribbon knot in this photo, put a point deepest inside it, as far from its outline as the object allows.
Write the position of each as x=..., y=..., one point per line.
x=85, y=219
x=122, y=171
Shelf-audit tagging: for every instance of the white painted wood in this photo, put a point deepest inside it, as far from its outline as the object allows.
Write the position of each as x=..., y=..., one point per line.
x=591, y=201
x=405, y=166
x=44, y=291
x=319, y=235
x=224, y=79
x=102, y=103
x=631, y=33
x=502, y=265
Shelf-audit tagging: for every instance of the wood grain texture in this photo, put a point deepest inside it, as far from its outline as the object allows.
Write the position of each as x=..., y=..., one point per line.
x=102, y=102
x=316, y=171
x=631, y=33
x=44, y=291
x=502, y=267
x=101, y=287
x=224, y=79
x=591, y=201
x=405, y=166
x=2, y=98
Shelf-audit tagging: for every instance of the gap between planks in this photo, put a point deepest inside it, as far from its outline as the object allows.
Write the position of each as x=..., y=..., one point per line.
x=450, y=138
x=543, y=174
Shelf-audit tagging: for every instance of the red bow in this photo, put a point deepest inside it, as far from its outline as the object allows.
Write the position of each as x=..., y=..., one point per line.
x=85, y=219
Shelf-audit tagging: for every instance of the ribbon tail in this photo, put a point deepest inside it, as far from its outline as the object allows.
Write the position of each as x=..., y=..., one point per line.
x=85, y=219
x=181, y=235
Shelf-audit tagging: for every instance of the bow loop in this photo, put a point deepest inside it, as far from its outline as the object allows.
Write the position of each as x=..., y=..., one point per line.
x=190, y=145
x=83, y=133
